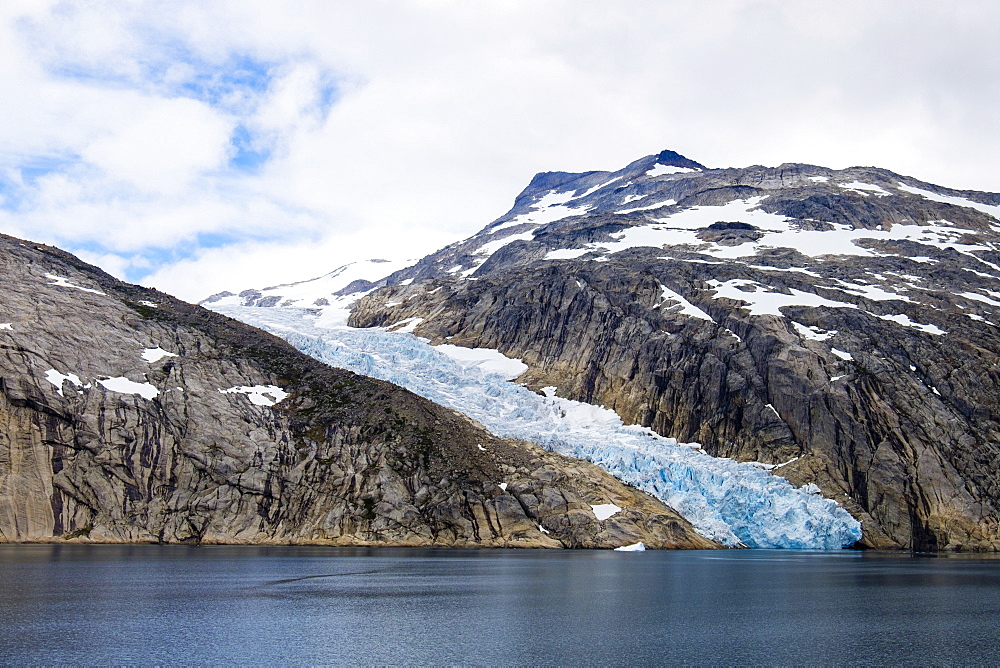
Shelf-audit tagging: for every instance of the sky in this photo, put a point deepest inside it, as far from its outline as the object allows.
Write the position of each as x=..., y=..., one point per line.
x=208, y=145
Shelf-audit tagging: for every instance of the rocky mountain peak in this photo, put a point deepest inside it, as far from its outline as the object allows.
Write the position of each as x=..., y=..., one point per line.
x=846, y=319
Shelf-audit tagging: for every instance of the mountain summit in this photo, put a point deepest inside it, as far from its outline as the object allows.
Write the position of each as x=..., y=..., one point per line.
x=837, y=326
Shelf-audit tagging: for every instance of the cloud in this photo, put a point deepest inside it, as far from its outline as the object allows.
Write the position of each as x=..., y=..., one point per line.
x=164, y=146
x=184, y=143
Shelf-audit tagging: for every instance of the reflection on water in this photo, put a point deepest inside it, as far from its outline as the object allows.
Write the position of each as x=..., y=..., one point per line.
x=254, y=605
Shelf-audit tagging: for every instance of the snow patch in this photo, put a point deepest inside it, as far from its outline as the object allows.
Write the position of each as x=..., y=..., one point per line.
x=603, y=511
x=819, y=179
x=503, y=486
x=123, y=385
x=405, y=326
x=989, y=209
x=567, y=253
x=63, y=282
x=259, y=395
x=488, y=360
x=6, y=325
x=687, y=308
x=152, y=355
x=664, y=170
x=842, y=354
x=548, y=209
x=58, y=379
x=864, y=188
x=979, y=298
x=650, y=207
x=812, y=332
x=760, y=302
x=905, y=321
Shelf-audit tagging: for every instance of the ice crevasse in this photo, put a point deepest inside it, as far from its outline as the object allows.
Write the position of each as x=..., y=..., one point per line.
x=728, y=501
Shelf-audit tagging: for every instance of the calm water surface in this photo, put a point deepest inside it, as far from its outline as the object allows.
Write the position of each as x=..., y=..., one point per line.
x=248, y=605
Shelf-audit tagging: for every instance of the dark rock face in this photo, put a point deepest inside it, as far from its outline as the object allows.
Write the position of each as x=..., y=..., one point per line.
x=130, y=416
x=844, y=318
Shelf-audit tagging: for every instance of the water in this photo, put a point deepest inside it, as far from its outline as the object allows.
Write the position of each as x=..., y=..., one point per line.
x=254, y=605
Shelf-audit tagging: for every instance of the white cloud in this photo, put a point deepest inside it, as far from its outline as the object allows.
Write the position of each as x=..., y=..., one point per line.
x=443, y=110
x=168, y=145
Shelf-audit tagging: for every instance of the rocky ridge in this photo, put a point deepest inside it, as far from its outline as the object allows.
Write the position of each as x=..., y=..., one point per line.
x=130, y=416
x=839, y=325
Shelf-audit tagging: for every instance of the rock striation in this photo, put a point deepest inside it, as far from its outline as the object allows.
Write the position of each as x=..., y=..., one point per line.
x=130, y=416
x=840, y=325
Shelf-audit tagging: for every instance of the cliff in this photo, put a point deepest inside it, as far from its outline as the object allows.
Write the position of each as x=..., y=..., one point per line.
x=839, y=325
x=130, y=416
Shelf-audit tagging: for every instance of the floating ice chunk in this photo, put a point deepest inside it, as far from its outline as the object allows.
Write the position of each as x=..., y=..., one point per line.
x=152, y=355
x=259, y=395
x=58, y=379
x=63, y=282
x=603, y=511
x=634, y=547
x=123, y=385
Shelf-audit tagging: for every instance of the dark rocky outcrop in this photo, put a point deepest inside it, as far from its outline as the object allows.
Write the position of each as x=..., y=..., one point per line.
x=235, y=437
x=875, y=365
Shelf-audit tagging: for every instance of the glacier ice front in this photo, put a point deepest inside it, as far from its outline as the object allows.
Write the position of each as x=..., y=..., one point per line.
x=725, y=500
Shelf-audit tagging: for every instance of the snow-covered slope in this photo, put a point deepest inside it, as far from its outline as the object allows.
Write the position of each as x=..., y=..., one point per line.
x=848, y=318
x=725, y=500
x=326, y=290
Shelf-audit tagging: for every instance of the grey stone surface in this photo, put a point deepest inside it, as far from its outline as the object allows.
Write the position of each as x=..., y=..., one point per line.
x=341, y=460
x=906, y=434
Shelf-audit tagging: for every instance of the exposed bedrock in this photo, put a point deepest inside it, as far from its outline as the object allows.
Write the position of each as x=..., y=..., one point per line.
x=129, y=416
x=843, y=320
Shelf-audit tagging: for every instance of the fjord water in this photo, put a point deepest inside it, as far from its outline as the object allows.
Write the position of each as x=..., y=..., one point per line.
x=294, y=605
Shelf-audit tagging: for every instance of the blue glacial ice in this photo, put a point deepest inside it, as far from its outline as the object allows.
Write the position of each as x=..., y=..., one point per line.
x=731, y=502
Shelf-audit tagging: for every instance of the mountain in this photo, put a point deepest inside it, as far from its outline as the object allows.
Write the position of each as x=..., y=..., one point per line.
x=838, y=325
x=130, y=416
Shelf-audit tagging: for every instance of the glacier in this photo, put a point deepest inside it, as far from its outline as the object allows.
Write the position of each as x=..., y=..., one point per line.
x=737, y=504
